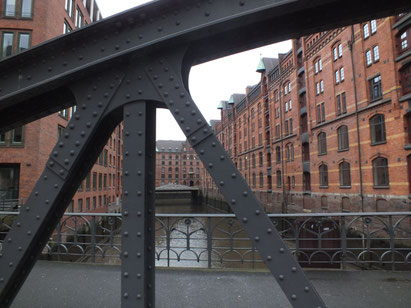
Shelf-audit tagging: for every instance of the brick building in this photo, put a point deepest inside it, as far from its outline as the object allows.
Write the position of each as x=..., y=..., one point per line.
x=328, y=127
x=177, y=163
x=24, y=150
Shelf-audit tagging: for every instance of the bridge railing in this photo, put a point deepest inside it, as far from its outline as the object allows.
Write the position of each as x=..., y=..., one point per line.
x=332, y=240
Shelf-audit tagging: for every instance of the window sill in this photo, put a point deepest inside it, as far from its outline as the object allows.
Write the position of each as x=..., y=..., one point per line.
x=378, y=143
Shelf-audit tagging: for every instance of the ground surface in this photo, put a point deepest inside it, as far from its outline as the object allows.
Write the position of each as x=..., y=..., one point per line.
x=80, y=285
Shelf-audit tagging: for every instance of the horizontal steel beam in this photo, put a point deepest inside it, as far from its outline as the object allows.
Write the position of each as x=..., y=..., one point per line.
x=211, y=29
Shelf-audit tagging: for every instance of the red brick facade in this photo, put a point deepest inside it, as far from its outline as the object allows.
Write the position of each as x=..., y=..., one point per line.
x=28, y=152
x=328, y=126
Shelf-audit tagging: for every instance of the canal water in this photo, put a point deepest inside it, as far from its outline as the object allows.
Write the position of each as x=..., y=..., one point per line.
x=205, y=242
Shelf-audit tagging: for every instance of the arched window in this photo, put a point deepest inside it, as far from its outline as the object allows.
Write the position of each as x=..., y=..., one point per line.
x=323, y=176
x=377, y=127
x=260, y=159
x=254, y=180
x=253, y=160
x=345, y=176
x=380, y=172
x=342, y=132
x=278, y=178
x=322, y=143
x=261, y=179
x=278, y=155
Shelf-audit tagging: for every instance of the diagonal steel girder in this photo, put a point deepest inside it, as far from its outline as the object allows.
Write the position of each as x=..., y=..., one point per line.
x=101, y=101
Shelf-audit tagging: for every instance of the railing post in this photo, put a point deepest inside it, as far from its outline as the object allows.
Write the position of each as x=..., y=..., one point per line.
x=343, y=237
x=392, y=244
x=209, y=242
x=93, y=239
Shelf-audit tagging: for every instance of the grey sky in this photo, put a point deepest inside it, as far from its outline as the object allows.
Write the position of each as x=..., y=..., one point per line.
x=209, y=82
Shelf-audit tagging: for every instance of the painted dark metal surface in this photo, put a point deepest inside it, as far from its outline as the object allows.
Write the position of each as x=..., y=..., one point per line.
x=145, y=55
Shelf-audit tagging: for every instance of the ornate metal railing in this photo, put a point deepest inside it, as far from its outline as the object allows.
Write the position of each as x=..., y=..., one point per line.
x=339, y=240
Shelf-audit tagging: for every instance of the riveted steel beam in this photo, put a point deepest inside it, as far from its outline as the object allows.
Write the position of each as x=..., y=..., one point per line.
x=211, y=29
x=165, y=74
x=71, y=159
x=138, y=230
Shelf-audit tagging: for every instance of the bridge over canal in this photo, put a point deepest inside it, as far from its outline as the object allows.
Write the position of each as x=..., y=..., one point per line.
x=121, y=69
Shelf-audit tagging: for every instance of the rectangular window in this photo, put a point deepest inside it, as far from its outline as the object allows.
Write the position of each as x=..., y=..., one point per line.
x=376, y=54
x=373, y=26
x=375, y=87
x=337, y=77
x=8, y=44
x=10, y=8
x=26, y=8
x=88, y=182
x=344, y=103
x=2, y=138
x=368, y=57
x=17, y=135
x=366, y=31
x=342, y=74
x=24, y=42
x=67, y=28
x=94, y=180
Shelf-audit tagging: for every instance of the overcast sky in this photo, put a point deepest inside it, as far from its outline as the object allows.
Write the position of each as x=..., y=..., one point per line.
x=210, y=82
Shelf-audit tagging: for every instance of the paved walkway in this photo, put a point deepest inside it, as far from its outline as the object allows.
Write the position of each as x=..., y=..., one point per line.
x=82, y=285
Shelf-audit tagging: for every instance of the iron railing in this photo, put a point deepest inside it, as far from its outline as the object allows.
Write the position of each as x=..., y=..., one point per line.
x=339, y=240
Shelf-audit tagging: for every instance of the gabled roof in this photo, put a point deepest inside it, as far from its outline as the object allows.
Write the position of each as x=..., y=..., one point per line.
x=169, y=146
